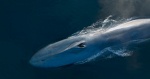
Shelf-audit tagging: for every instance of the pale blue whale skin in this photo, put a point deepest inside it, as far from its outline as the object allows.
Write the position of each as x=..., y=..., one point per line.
x=69, y=51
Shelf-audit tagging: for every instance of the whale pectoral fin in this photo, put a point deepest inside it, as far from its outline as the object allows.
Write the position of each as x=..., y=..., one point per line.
x=121, y=51
x=128, y=48
x=114, y=51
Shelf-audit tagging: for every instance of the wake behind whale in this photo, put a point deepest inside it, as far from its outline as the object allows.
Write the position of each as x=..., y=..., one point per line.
x=102, y=39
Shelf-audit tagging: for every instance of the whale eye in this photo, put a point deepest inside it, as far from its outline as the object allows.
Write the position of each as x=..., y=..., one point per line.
x=81, y=45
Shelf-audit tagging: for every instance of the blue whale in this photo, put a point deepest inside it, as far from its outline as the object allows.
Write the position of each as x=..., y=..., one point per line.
x=79, y=48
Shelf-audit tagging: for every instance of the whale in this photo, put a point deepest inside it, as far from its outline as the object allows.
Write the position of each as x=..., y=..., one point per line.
x=123, y=37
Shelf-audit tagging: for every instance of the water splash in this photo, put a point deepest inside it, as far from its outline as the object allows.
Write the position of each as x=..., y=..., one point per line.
x=101, y=25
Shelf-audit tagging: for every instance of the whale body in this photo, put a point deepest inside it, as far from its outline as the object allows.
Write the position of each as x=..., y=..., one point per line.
x=79, y=48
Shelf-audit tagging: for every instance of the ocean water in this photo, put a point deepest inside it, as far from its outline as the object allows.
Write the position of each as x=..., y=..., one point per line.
x=28, y=25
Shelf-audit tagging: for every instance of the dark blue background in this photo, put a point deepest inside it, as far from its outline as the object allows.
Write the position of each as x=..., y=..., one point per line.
x=28, y=25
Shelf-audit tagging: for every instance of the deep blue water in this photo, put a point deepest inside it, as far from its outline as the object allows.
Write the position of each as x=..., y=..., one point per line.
x=28, y=25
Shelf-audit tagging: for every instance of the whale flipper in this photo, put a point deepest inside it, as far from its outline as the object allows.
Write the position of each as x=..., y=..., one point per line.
x=125, y=49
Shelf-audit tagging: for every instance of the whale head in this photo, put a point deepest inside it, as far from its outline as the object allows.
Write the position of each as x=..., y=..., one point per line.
x=65, y=52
